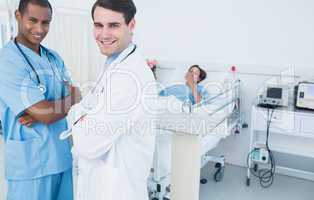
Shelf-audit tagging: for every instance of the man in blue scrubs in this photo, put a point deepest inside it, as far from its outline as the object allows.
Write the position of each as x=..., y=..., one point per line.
x=190, y=91
x=34, y=100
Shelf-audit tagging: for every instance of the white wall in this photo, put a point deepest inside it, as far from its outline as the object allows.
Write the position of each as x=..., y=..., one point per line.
x=260, y=37
x=2, y=4
x=243, y=31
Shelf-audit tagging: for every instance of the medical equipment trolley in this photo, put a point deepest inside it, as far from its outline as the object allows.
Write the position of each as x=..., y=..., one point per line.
x=289, y=130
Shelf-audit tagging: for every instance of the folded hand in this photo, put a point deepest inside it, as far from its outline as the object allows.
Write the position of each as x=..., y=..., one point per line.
x=27, y=120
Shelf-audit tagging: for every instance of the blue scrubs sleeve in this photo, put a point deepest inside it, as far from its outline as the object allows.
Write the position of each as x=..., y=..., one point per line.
x=17, y=89
x=67, y=78
x=64, y=73
x=62, y=68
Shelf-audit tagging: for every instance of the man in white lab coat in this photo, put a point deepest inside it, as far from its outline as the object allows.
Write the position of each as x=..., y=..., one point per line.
x=114, y=139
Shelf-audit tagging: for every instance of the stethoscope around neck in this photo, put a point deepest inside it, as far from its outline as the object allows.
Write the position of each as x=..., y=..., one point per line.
x=41, y=86
x=123, y=56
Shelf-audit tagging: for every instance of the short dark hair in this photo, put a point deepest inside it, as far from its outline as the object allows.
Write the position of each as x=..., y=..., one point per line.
x=126, y=7
x=203, y=74
x=24, y=3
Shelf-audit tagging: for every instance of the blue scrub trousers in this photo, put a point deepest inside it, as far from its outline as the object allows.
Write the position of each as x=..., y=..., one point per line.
x=53, y=187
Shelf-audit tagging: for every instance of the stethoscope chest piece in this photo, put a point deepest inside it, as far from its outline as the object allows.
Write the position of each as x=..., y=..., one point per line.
x=42, y=88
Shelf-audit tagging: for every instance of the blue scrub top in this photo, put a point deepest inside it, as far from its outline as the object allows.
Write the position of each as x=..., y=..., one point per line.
x=184, y=92
x=36, y=151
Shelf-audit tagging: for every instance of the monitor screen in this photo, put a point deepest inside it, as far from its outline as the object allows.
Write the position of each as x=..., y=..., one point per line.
x=274, y=92
x=310, y=90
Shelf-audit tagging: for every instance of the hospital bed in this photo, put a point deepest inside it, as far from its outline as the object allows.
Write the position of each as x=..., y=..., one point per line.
x=220, y=115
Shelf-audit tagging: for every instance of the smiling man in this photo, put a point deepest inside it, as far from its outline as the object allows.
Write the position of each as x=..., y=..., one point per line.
x=114, y=142
x=34, y=100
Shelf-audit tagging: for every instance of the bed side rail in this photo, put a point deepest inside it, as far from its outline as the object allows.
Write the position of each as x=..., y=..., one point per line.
x=234, y=89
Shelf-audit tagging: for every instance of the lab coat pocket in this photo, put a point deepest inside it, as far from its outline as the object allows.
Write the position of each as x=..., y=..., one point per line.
x=22, y=157
x=98, y=181
x=107, y=182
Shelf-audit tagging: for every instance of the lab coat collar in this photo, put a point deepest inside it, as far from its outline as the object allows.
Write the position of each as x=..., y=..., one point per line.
x=114, y=56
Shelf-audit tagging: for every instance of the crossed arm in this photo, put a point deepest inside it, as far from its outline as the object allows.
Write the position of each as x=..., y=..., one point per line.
x=48, y=112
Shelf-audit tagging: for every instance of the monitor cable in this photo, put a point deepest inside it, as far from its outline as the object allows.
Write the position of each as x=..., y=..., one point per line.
x=265, y=175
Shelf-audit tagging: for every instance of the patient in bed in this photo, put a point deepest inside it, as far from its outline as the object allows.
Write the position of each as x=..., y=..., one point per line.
x=191, y=90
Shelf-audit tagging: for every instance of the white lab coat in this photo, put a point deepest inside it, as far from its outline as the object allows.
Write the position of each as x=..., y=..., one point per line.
x=115, y=150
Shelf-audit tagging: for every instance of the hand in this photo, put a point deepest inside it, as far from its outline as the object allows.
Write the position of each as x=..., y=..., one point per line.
x=190, y=81
x=75, y=94
x=27, y=120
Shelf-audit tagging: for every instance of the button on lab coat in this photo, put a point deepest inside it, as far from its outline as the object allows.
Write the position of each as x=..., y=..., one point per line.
x=114, y=143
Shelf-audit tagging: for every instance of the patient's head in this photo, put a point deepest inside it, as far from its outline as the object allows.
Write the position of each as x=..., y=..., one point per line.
x=196, y=73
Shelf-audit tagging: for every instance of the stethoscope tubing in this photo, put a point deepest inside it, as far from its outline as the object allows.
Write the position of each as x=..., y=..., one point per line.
x=27, y=60
x=30, y=64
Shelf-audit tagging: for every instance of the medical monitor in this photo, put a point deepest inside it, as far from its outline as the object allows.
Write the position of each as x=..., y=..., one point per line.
x=274, y=92
x=275, y=95
x=305, y=95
